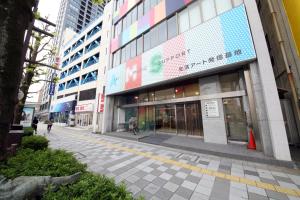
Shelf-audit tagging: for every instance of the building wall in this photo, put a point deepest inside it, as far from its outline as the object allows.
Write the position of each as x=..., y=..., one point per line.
x=270, y=129
x=75, y=15
x=90, y=36
x=284, y=22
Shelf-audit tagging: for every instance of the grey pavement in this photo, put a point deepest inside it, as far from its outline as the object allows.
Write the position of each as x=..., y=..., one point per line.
x=160, y=179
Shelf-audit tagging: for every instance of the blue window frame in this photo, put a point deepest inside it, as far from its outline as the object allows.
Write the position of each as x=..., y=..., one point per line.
x=78, y=43
x=92, y=45
x=94, y=31
x=77, y=55
x=61, y=86
x=89, y=77
x=67, y=51
x=74, y=69
x=63, y=74
x=91, y=60
x=72, y=83
x=65, y=63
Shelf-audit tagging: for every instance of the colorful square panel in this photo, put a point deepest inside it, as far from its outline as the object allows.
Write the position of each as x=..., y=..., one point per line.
x=172, y=6
x=159, y=12
x=133, y=73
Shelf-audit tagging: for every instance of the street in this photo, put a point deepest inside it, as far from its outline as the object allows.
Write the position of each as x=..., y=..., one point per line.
x=157, y=172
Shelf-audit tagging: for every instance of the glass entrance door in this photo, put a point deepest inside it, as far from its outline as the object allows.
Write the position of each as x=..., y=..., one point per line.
x=165, y=118
x=146, y=118
x=194, y=119
x=180, y=122
x=235, y=118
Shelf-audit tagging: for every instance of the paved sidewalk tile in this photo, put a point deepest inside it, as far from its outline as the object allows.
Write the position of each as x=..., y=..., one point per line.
x=171, y=186
x=170, y=174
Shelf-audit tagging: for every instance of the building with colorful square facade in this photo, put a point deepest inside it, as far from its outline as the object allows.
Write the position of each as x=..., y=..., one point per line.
x=82, y=76
x=195, y=68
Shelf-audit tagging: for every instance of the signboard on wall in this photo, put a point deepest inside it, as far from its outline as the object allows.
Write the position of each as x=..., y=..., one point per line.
x=222, y=41
x=84, y=108
x=211, y=109
x=101, y=102
x=51, y=89
x=27, y=116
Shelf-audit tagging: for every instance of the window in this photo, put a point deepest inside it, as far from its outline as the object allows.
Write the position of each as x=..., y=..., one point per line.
x=139, y=45
x=133, y=49
x=223, y=5
x=127, y=51
x=146, y=6
x=87, y=94
x=229, y=82
x=147, y=41
x=123, y=55
x=116, y=58
x=162, y=32
x=172, y=27
x=154, y=36
x=118, y=28
x=134, y=15
x=143, y=97
x=208, y=9
x=183, y=21
x=191, y=90
x=153, y=3
x=194, y=14
x=124, y=23
x=164, y=94
x=179, y=92
x=128, y=19
x=140, y=11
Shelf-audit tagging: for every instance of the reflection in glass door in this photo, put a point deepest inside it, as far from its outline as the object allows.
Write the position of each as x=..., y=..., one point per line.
x=194, y=119
x=235, y=118
x=146, y=118
x=165, y=118
x=181, y=125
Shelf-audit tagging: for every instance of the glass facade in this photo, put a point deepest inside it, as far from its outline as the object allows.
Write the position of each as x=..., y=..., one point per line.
x=169, y=109
x=178, y=106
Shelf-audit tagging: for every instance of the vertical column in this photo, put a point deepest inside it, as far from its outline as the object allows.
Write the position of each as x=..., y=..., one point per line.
x=108, y=114
x=214, y=128
x=273, y=110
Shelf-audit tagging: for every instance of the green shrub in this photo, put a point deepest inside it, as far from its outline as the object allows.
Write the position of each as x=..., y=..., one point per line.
x=47, y=162
x=28, y=131
x=35, y=142
x=90, y=186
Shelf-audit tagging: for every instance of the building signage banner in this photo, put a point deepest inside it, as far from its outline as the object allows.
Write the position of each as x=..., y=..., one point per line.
x=27, y=116
x=222, y=41
x=84, y=108
x=51, y=89
x=63, y=107
x=101, y=102
x=52, y=85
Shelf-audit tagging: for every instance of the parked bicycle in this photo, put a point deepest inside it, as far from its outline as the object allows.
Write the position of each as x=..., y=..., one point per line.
x=133, y=125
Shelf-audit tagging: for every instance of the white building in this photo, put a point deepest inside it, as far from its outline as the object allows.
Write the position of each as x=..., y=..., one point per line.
x=83, y=61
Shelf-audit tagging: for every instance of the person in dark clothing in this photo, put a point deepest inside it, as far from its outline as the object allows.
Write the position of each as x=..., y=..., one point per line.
x=34, y=124
x=49, y=125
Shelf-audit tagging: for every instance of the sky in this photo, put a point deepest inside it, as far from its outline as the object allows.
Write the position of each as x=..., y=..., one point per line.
x=46, y=8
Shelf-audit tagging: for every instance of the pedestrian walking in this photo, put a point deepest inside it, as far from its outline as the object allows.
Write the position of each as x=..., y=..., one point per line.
x=49, y=125
x=34, y=124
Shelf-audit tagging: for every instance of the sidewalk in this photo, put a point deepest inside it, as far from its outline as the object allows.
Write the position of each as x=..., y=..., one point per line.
x=235, y=151
x=163, y=173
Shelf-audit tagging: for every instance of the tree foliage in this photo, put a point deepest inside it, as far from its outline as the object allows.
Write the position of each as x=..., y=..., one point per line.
x=40, y=50
x=98, y=1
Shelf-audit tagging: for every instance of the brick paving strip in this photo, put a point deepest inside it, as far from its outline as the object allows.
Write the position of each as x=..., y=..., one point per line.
x=157, y=180
x=251, y=184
